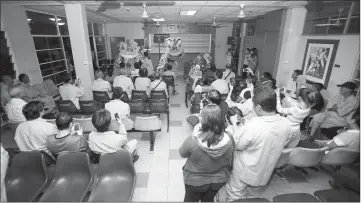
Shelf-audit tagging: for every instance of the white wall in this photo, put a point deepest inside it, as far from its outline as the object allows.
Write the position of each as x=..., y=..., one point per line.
x=294, y=45
x=221, y=45
x=15, y=24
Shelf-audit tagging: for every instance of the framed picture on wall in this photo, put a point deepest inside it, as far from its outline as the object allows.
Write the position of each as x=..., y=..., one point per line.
x=318, y=60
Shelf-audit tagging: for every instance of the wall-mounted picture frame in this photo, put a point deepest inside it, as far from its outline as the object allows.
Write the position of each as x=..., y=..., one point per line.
x=318, y=60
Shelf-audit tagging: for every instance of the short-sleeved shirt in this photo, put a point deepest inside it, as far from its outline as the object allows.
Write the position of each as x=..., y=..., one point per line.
x=102, y=85
x=220, y=85
x=68, y=143
x=72, y=93
x=32, y=135
x=125, y=83
x=142, y=84
x=159, y=85
x=349, y=139
x=14, y=110
x=118, y=106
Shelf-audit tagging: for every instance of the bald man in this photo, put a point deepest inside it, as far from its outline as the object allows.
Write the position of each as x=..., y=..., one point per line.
x=15, y=106
x=99, y=84
x=124, y=82
x=158, y=84
x=6, y=82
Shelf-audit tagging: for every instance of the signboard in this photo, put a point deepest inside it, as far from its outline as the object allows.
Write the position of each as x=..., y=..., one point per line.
x=160, y=38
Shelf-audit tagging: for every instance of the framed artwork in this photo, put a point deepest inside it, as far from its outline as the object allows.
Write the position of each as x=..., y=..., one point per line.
x=318, y=60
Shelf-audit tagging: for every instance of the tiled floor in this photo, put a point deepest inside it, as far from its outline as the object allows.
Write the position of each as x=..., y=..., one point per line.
x=159, y=175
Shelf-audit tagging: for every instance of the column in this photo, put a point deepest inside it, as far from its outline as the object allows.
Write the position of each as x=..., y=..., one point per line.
x=79, y=39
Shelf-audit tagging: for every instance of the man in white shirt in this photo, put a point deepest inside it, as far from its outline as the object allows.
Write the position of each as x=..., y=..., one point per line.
x=158, y=84
x=71, y=92
x=259, y=147
x=14, y=108
x=228, y=74
x=124, y=82
x=99, y=84
x=32, y=134
x=220, y=84
x=244, y=102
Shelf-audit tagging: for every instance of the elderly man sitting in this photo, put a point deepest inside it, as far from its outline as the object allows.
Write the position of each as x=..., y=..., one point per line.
x=32, y=94
x=14, y=108
x=158, y=84
x=337, y=110
x=99, y=84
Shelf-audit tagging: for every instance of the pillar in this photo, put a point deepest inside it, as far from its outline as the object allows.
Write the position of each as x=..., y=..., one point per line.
x=79, y=39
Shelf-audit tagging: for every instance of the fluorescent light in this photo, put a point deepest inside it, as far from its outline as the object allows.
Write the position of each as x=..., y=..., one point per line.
x=53, y=19
x=158, y=19
x=241, y=13
x=188, y=13
x=29, y=19
x=61, y=24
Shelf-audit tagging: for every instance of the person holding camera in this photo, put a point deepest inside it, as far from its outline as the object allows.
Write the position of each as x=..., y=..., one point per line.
x=70, y=91
x=70, y=137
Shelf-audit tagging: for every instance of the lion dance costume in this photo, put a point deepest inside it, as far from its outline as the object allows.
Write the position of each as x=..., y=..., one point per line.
x=129, y=52
x=173, y=52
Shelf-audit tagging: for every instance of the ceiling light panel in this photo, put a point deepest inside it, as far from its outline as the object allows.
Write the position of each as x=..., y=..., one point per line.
x=158, y=19
x=188, y=13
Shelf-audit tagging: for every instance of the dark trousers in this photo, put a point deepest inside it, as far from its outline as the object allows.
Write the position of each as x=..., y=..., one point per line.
x=204, y=193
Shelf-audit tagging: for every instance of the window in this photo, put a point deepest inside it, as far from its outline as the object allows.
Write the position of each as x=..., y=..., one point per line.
x=97, y=41
x=332, y=18
x=52, y=44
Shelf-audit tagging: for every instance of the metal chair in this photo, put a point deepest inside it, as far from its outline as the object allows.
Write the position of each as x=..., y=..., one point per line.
x=26, y=178
x=72, y=179
x=158, y=94
x=137, y=94
x=66, y=106
x=304, y=157
x=340, y=156
x=169, y=80
x=136, y=105
x=295, y=197
x=89, y=107
x=334, y=195
x=148, y=124
x=116, y=178
x=282, y=161
x=160, y=107
x=102, y=96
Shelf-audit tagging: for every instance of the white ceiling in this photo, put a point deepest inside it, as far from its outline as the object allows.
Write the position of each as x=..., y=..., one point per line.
x=224, y=11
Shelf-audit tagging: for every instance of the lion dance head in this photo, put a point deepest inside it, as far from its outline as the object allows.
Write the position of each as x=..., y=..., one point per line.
x=173, y=52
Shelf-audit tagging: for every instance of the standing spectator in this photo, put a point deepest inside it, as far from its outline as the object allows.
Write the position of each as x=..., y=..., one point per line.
x=33, y=133
x=71, y=92
x=158, y=84
x=142, y=83
x=99, y=84
x=106, y=141
x=228, y=74
x=14, y=108
x=6, y=82
x=147, y=63
x=220, y=84
x=69, y=139
x=209, y=154
x=258, y=149
x=124, y=82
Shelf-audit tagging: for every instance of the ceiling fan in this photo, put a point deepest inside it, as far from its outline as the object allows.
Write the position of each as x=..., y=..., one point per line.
x=214, y=24
x=336, y=24
x=115, y=4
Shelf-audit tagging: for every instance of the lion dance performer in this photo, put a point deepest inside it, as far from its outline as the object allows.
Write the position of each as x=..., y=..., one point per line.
x=129, y=52
x=173, y=52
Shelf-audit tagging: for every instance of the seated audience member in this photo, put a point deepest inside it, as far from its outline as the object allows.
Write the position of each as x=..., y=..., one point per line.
x=4, y=167
x=106, y=141
x=337, y=110
x=317, y=98
x=258, y=149
x=117, y=106
x=158, y=84
x=242, y=100
x=202, y=85
x=142, y=83
x=214, y=97
x=220, y=84
x=32, y=94
x=267, y=80
x=99, y=84
x=228, y=74
x=6, y=82
x=349, y=139
x=209, y=154
x=295, y=115
x=124, y=82
x=33, y=133
x=70, y=137
x=14, y=108
x=109, y=75
x=168, y=71
x=71, y=92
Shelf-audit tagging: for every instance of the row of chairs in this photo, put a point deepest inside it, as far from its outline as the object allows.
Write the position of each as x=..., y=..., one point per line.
x=309, y=158
x=27, y=178
x=103, y=96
